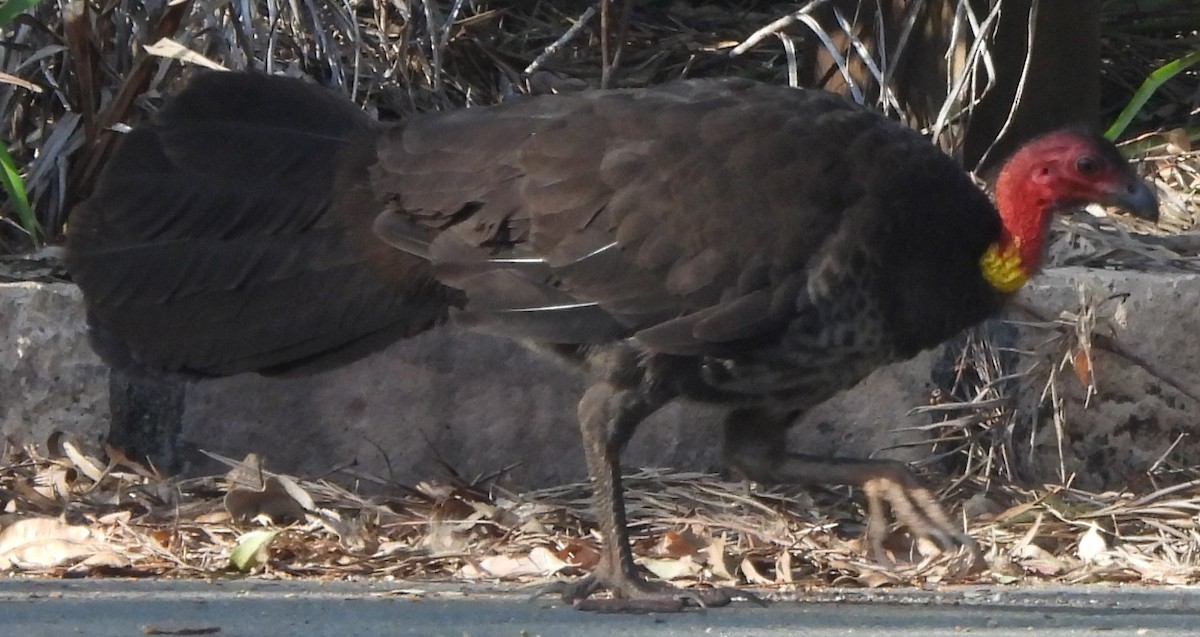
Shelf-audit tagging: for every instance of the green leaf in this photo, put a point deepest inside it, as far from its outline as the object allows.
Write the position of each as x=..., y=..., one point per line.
x=13, y=8
x=15, y=189
x=251, y=550
x=13, y=185
x=1155, y=80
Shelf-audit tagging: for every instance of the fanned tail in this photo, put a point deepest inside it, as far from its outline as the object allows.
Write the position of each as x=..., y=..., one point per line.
x=233, y=233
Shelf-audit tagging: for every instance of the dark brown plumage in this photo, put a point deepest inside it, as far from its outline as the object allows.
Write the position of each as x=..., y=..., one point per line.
x=722, y=241
x=222, y=238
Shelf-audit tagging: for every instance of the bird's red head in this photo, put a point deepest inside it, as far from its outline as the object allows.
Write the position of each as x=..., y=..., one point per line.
x=1059, y=170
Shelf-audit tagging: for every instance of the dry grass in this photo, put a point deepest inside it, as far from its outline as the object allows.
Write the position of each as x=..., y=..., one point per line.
x=70, y=515
x=70, y=71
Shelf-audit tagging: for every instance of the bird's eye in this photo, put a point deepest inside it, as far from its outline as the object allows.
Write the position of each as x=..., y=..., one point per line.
x=1087, y=165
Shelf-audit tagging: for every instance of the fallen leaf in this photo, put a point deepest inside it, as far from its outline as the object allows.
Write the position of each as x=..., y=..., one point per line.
x=106, y=559
x=117, y=456
x=281, y=500
x=214, y=517
x=164, y=537
x=670, y=569
x=251, y=550
x=82, y=462
x=579, y=554
x=677, y=545
x=1092, y=546
x=872, y=578
x=1178, y=141
x=1001, y=578
x=45, y=542
x=719, y=562
x=1035, y=559
x=169, y=48
x=540, y=562
x=35, y=529
x=44, y=553
x=783, y=567
x=752, y=574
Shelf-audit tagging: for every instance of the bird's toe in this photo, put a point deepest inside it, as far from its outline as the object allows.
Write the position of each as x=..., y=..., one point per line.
x=915, y=508
x=636, y=595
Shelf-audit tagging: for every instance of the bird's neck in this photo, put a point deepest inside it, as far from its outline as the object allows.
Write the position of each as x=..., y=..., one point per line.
x=1024, y=211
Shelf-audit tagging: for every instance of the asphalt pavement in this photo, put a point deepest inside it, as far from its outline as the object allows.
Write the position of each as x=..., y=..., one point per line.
x=260, y=608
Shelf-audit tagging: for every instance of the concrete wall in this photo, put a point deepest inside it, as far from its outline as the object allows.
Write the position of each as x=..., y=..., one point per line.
x=478, y=404
x=49, y=378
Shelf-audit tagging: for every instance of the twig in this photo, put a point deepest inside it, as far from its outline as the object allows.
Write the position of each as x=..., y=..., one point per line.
x=76, y=27
x=1166, y=453
x=605, y=64
x=580, y=22
x=435, y=49
x=1020, y=91
x=775, y=27
x=609, y=65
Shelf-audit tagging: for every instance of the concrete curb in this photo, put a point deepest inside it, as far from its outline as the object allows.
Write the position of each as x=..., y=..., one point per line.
x=450, y=398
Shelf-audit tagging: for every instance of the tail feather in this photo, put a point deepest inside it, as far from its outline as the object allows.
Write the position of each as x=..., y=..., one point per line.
x=232, y=233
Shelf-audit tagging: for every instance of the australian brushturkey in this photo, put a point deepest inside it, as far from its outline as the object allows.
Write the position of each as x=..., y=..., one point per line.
x=724, y=241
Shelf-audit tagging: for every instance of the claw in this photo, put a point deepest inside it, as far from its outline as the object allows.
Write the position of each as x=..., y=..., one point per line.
x=636, y=595
x=914, y=507
x=569, y=591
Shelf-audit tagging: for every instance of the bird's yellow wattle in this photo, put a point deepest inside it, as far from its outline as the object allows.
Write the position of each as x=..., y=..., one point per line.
x=1002, y=267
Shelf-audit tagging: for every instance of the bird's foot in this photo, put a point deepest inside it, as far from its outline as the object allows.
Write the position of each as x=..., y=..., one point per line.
x=634, y=594
x=893, y=486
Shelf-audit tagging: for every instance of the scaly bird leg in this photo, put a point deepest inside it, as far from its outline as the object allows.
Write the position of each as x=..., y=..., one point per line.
x=607, y=417
x=892, y=484
x=755, y=446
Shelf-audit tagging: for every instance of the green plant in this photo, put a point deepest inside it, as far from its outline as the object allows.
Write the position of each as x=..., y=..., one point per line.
x=1156, y=79
x=12, y=8
x=14, y=186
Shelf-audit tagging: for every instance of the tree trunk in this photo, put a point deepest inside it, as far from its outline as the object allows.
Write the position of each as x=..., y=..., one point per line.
x=1061, y=74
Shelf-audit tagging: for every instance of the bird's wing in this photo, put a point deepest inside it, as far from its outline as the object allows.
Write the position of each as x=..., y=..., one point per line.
x=694, y=215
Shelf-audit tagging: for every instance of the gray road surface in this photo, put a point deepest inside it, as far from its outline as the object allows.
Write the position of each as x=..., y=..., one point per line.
x=103, y=608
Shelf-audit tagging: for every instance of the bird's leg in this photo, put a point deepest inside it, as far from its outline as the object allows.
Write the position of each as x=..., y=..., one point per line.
x=755, y=446
x=607, y=417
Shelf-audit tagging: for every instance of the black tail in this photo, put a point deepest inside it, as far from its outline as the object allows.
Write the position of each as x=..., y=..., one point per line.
x=233, y=233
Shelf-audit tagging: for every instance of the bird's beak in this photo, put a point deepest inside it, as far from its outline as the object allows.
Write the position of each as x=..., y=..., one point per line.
x=1135, y=197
